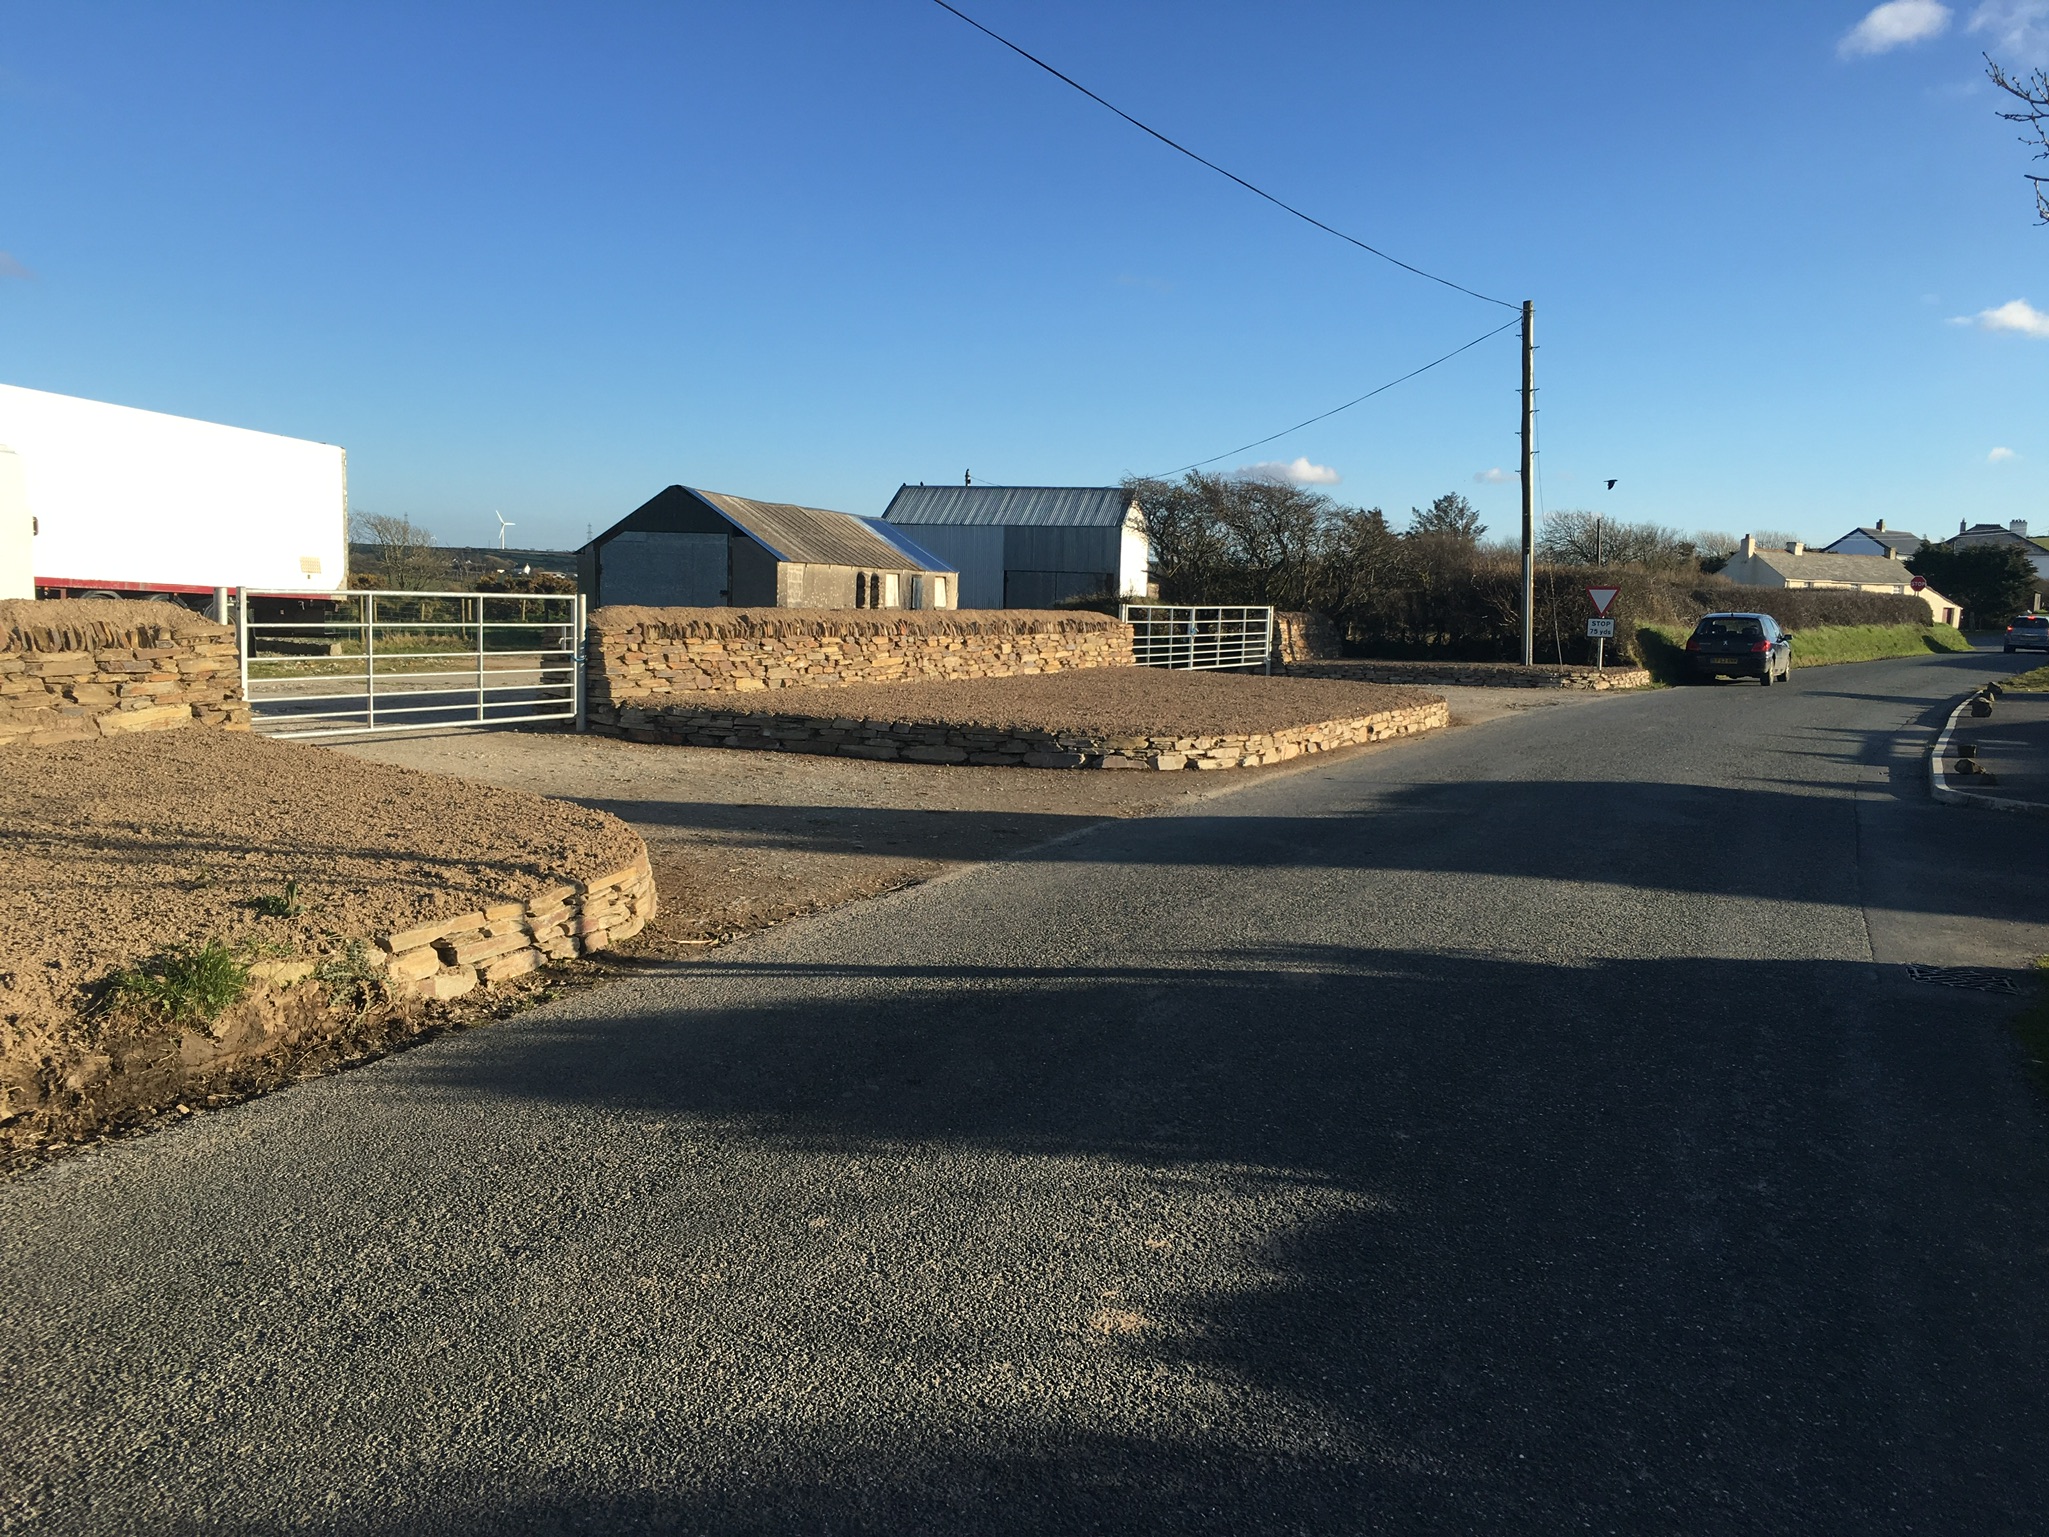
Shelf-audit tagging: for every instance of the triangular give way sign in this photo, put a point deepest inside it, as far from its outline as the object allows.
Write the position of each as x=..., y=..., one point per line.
x=1602, y=597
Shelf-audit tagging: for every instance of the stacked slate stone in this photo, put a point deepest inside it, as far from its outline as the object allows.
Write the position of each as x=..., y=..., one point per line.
x=79, y=669
x=704, y=725
x=635, y=653
x=450, y=956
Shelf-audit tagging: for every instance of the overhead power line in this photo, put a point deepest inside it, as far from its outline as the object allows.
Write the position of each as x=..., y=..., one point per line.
x=1199, y=160
x=1333, y=411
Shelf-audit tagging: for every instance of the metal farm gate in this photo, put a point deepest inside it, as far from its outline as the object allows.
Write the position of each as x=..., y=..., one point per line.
x=359, y=662
x=1204, y=637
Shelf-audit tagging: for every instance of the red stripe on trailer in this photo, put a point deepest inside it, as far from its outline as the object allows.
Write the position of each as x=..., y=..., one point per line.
x=69, y=581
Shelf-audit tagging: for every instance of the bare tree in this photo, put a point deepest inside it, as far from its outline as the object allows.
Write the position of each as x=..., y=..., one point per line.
x=2032, y=92
x=405, y=551
x=1578, y=538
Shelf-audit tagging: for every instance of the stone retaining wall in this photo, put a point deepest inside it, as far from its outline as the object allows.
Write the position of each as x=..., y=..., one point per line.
x=1475, y=674
x=1305, y=637
x=703, y=725
x=135, y=1068
x=79, y=668
x=449, y=956
x=640, y=653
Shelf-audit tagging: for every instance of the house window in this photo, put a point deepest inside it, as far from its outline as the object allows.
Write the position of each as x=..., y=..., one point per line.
x=860, y=589
x=939, y=592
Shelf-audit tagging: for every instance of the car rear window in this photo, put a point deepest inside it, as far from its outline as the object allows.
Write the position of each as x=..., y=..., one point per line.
x=1729, y=629
x=2032, y=622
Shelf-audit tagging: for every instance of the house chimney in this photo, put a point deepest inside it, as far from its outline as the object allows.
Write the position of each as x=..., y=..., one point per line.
x=1749, y=546
x=1891, y=553
x=1881, y=527
x=1796, y=548
x=1960, y=525
x=2019, y=526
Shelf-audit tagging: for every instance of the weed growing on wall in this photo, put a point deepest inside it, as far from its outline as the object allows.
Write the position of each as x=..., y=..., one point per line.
x=188, y=984
x=354, y=983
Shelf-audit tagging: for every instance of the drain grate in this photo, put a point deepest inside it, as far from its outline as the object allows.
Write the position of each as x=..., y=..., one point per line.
x=1963, y=977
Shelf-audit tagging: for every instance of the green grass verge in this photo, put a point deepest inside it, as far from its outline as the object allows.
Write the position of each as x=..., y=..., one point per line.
x=2034, y=682
x=1663, y=646
x=1872, y=642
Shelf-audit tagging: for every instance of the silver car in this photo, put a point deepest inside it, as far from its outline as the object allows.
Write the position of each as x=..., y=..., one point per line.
x=2028, y=632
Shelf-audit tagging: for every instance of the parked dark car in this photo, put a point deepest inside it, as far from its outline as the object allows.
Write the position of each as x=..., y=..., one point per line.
x=2028, y=632
x=1739, y=646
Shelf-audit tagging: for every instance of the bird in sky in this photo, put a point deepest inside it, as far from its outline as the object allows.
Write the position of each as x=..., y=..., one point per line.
x=1611, y=485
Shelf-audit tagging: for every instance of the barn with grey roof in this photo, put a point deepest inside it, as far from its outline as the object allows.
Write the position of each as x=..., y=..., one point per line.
x=1031, y=546
x=687, y=548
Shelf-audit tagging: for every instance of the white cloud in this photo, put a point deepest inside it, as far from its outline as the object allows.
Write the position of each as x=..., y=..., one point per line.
x=2000, y=456
x=1894, y=25
x=2014, y=315
x=12, y=267
x=1497, y=477
x=1296, y=472
x=2018, y=27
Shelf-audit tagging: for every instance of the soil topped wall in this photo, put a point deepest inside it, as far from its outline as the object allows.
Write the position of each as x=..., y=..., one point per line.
x=722, y=623
x=1135, y=717
x=648, y=653
x=327, y=878
x=78, y=668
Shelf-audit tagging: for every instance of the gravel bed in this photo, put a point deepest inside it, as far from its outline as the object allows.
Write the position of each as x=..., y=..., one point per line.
x=115, y=849
x=1113, y=701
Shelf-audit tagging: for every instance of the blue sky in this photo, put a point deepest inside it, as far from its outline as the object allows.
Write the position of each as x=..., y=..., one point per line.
x=551, y=259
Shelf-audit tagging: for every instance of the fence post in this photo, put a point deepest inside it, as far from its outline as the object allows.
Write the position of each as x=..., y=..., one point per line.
x=480, y=659
x=369, y=658
x=576, y=669
x=242, y=644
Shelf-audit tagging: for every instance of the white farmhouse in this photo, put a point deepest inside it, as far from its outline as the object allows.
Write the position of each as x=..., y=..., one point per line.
x=1797, y=567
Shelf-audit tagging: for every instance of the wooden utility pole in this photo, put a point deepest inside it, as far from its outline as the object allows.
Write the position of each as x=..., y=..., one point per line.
x=1529, y=486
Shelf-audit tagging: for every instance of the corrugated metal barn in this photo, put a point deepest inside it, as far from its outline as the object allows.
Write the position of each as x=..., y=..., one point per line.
x=1031, y=546
x=705, y=549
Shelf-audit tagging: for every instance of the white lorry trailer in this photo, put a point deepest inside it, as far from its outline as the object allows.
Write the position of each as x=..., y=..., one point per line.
x=134, y=503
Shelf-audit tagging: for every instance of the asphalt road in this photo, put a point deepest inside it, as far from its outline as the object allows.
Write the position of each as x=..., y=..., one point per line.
x=1528, y=1129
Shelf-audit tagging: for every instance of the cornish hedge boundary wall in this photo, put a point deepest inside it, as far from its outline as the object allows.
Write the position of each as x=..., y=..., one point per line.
x=96, y=1078
x=77, y=668
x=1477, y=674
x=703, y=724
x=635, y=654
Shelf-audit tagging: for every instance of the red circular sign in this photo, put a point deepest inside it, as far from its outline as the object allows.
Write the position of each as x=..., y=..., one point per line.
x=1919, y=584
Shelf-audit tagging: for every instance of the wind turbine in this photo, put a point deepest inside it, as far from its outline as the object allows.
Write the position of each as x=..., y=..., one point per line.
x=502, y=527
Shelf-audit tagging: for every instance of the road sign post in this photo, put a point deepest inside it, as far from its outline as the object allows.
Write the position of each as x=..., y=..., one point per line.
x=1600, y=627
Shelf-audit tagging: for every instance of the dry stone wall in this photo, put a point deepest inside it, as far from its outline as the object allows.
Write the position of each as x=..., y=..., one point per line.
x=638, y=654
x=1475, y=674
x=449, y=956
x=704, y=725
x=91, y=1079
x=1305, y=637
x=79, y=668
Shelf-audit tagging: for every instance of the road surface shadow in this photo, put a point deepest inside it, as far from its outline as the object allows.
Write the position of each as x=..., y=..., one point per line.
x=1689, y=1245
